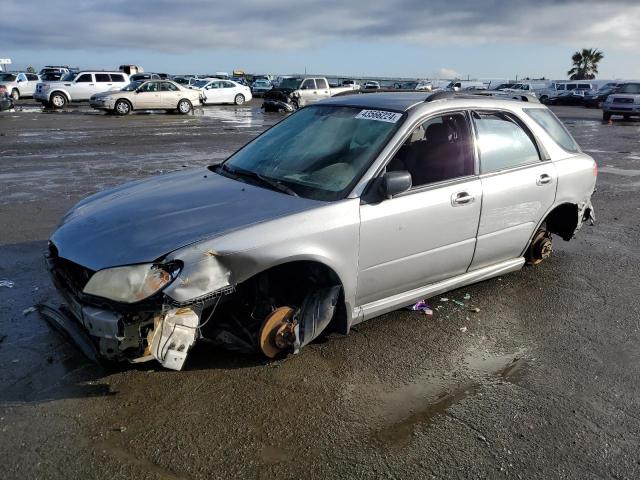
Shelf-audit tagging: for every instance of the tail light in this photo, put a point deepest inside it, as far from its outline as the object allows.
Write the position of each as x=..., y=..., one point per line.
x=595, y=169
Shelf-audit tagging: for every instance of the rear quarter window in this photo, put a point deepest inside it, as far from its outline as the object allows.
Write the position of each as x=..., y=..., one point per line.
x=554, y=128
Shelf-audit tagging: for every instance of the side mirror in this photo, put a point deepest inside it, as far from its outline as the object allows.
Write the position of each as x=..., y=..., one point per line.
x=394, y=183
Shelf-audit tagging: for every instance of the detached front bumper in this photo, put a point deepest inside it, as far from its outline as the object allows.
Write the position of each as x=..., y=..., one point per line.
x=119, y=333
x=6, y=103
x=276, y=105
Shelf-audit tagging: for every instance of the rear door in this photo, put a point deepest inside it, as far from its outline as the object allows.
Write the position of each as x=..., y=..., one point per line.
x=103, y=82
x=322, y=88
x=518, y=185
x=32, y=81
x=169, y=95
x=148, y=96
x=428, y=233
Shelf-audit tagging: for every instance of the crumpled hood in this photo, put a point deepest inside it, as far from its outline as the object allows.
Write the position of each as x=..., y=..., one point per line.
x=142, y=221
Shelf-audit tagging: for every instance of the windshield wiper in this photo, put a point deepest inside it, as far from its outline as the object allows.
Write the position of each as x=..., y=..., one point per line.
x=274, y=184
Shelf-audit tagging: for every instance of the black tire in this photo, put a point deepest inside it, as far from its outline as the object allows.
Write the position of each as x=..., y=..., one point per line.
x=294, y=104
x=184, y=106
x=15, y=94
x=239, y=100
x=544, y=99
x=58, y=100
x=122, y=107
x=606, y=116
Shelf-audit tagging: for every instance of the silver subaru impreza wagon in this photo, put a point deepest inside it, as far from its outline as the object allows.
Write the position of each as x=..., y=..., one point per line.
x=343, y=211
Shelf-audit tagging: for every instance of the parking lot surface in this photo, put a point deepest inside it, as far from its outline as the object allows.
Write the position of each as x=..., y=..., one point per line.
x=532, y=375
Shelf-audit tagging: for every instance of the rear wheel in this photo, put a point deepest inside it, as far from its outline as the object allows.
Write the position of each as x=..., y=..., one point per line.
x=184, y=106
x=544, y=98
x=606, y=116
x=15, y=94
x=58, y=100
x=239, y=100
x=122, y=107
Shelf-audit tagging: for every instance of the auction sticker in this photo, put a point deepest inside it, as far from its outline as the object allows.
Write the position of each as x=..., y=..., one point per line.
x=379, y=115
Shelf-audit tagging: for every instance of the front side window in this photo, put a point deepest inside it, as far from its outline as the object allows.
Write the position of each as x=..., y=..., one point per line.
x=502, y=143
x=149, y=87
x=85, y=78
x=228, y=84
x=437, y=150
x=308, y=84
x=103, y=77
x=556, y=130
x=320, y=151
x=321, y=83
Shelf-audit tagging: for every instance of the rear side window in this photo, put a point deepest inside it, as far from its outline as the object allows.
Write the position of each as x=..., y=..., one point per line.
x=502, y=143
x=556, y=130
x=103, y=77
x=116, y=77
x=84, y=78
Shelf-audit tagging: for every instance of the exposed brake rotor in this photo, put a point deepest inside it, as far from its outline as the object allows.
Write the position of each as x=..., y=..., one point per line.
x=541, y=248
x=277, y=332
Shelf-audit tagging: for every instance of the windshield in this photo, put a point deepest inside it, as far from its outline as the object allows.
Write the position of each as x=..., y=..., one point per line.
x=320, y=151
x=7, y=77
x=133, y=86
x=629, y=88
x=291, y=83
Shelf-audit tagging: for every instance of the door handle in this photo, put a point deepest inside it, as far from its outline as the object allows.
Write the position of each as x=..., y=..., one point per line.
x=543, y=179
x=462, y=198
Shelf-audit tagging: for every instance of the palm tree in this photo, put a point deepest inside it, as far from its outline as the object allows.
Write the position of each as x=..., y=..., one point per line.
x=585, y=64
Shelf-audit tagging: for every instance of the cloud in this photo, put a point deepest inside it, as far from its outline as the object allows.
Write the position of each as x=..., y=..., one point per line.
x=446, y=73
x=188, y=25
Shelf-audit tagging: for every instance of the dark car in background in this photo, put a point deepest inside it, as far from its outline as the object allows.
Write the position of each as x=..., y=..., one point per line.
x=595, y=98
x=6, y=102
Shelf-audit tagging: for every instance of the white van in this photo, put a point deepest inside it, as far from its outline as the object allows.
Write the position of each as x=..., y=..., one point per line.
x=457, y=85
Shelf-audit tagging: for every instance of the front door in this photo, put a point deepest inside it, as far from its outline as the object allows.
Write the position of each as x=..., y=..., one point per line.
x=84, y=87
x=148, y=96
x=213, y=92
x=308, y=91
x=428, y=233
x=518, y=185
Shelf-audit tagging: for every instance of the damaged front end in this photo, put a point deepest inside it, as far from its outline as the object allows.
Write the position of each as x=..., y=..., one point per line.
x=277, y=99
x=159, y=311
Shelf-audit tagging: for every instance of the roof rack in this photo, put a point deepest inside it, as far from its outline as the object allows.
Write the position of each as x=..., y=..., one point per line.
x=483, y=93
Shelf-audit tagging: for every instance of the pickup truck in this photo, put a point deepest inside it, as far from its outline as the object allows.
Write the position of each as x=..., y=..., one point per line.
x=296, y=92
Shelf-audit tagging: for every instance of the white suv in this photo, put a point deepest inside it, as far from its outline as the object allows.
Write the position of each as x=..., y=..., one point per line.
x=77, y=87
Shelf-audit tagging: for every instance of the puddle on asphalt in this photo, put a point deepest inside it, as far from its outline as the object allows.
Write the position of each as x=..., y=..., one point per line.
x=420, y=404
x=619, y=171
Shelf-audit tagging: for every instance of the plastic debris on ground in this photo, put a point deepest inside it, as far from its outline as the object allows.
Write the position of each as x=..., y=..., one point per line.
x=458, y=302
x=463, y=329
x=474, y=309
x=6, y=283
x=29, y=310
x=421, y=306
x=467, y=296
x=444, y=299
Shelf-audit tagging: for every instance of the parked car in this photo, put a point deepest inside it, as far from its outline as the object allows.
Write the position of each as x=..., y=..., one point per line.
x=131, y=69
x=296, y=92
x=181, y=80
x=218, y=91
x=595, y=98
x=144, y=76
x=52, y=73
x=503, y=86
x=6, y=102
x=530, y=88
x=371, y=85
x=19, y=84
x=625, y=101
x=79, y=87
x=282, y=240
x=350, y=84
x=457, y=85
x=553, y=95
x=259, y=87
x=147, y=95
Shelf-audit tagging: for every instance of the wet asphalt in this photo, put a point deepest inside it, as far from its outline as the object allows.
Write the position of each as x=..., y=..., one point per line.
x=535, y=374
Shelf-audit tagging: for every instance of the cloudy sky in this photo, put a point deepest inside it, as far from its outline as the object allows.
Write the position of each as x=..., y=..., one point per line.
x=417, y=38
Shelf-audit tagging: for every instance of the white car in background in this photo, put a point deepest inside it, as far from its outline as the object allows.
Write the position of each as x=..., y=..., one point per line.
x=19, y=84
x=217, y=91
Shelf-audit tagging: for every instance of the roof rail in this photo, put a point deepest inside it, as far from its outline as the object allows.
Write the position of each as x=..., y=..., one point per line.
x=483, y=93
